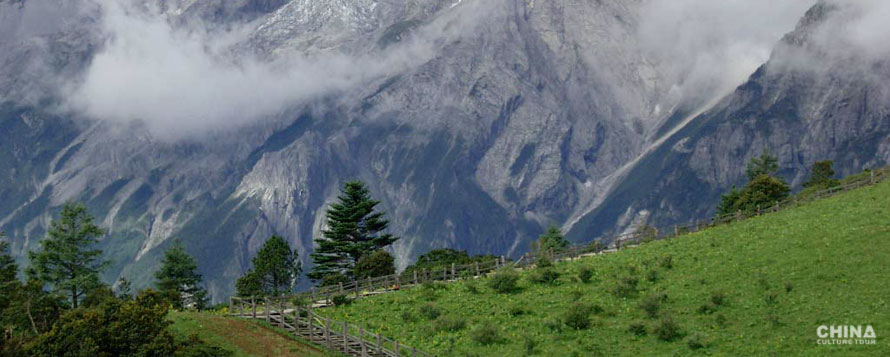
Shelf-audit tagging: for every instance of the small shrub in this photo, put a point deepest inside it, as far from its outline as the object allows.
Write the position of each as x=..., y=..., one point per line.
x=486, y=334
x=652, y=275
x=578, y=317
x=707, y=308
x=576, y=294
x=770, y=298
x=341, y=300
x=471, y=287
x=696, y=341
x=449, y=324
x=429, y=311
x=516, y=310
x=585, y=274
x=637, y=328
x=544, y=276
x=407, y=316
x=554, y=325
x=788, y=287
x=652, y=303
x=667, y=262
x=721, y=320
x=544, y=262
x=773, y=319
x=718, y=298
x=504, y=281
x=529, y=343
x=667, y=329
x=626, y=286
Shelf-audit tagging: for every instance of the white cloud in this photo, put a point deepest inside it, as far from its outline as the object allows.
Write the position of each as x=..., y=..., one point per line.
x=181, y=82
x=709, y=47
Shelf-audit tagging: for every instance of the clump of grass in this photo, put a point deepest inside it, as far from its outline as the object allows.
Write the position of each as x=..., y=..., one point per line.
x=341, y=300
x=529, y=344
x=449, y=323
x=667, y=262
x=667, y=329
x=429, y=311
x=553, y=324
x=637, y=328
x=696, y=341
x=788, y=287
x=651, y=304
x=585, y=274
x=545, y=276
x=578, y=316
x=652, y=275
x=486, y=334
x=718, y=298
x=517, y=310
x=770, y=298
x=504, y=281
x=626, y=286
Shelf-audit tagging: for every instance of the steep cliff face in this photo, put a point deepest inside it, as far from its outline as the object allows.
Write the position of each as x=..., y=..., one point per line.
x=479, y=124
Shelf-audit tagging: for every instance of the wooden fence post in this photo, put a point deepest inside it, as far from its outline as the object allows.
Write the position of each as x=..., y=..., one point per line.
x=738, y=215
x=453, y=272
x=297, y=319
x=445, y=274
x=476, y=265
x=415, y=277
x=676, y=231
x=503, y=260
x=281, y=304
x=396, y=347
x=341, y=287
x=379, y=343
x=361, y=338
x=327, y=332
x=253, y=306
x=309, y=319
x=266, y=308
x=776, y=207
x=345, y=337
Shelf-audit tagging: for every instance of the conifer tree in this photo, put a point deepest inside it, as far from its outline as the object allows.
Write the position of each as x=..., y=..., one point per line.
x=550, y=240
x=179, y=279
x=354, y=229
x=8, y=274
x=65, y=260
x=765, y=164
x=277, y=266
x=822, y=175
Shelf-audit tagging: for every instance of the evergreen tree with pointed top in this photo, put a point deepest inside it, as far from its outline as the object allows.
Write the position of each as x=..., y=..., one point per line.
x=276, y=268
x=354, y=229
x=65, y=260
x=8, y=274
x=765, y=164
x=179, y=279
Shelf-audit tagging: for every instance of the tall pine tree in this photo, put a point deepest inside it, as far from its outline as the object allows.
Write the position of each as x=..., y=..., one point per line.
x=179, y=279
x=353, y=230
x=66, y=261
x=8, y=274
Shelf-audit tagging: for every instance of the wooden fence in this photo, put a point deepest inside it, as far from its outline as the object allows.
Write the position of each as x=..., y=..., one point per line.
x=302, y=321
x=354, y=340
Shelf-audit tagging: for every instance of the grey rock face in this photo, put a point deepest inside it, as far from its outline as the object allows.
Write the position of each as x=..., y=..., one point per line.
x=507, y=117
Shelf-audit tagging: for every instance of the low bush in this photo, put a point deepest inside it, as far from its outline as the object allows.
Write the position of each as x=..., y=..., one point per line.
x=546, y=276
x=667, y=262
x=626, y=286
x=696, y=341
x=585, y=274
x=504, y=281
x=486, y=334
x=544, y=262
x=667, y=330
x=651, y=304
x=578, y=317
x=449, y=324
x=341, y=300
x=429, y=311
x=652, y=275
x=637, y=328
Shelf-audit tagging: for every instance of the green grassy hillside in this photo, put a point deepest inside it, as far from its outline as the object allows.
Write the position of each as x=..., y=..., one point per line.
x=757, y=287
x=239, y=336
